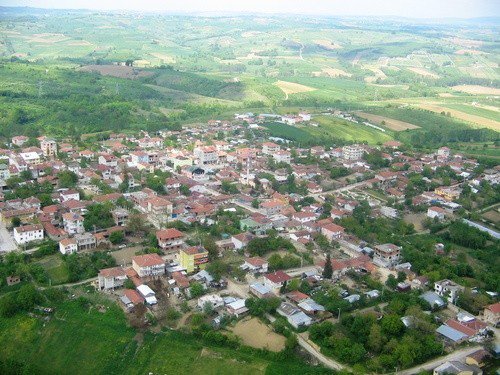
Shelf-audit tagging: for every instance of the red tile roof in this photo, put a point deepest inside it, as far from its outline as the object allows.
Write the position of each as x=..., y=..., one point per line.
x=148, y=260
x=278, y=277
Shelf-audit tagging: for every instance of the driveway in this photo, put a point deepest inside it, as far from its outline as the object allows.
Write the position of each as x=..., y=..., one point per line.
x=7, y=243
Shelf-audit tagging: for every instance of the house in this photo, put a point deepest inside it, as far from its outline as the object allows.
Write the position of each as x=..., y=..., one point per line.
x=237, y=308
x=131, y=298
x=193, y=258
x=214, y=300
x=270, y=148
x=295, y=317
x=332, y=231
x=492, y=314
x=241, y=240
x=449, y=289
x=310, y=307
x=68, y=246
x=282, y=156
x=433, y=300
x=387, y=255
x=170, y=239
x=451, y=334
x=444, y=152
x=111, y=278
x=255, y=265
x=148, y=294
x=19, y=140
x=28, y=233
x=68, y=195
x=73, y=223
x=478, y=358
x=148, y=265
x=456, y=368
x=260, y=290
x=120, y=216
x=436, y=212
x=276, y=280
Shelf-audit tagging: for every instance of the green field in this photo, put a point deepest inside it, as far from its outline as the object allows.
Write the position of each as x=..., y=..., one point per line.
x=81, y=341
x=56, y=268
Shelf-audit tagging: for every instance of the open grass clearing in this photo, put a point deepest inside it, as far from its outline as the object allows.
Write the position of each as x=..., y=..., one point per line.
x=389, y=123
x=292, y=87
x=423, y=72
x=258, y=335
x=478, y=120
x=56, y=269
x=477, y=90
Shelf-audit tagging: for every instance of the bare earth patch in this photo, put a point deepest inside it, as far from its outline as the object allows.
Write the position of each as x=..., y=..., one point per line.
x=389, y=123
x=477, y=90
x=332, y=72
x=256, y=334
x=293, y=88
x=163, y=57
x=120, y=71
x=423, y=72
x=327, y=44
x=482, y=121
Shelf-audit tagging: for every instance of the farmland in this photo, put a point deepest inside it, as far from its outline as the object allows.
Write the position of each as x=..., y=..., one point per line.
x=387, y=122
x=135, y=75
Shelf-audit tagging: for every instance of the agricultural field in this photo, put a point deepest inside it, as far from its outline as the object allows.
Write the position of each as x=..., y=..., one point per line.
x=256, y=334
x=387, y=122
x=169, y=70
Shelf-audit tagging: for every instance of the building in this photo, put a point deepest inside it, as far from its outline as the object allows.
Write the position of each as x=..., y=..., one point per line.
x=444, y=152
x=255, y=265
x=214, y=300
x=193, y=259
x=19, y=140
x=387, y=255
x=276, y=280
x=148, y=265
x=206, y=155
x=260, y=290
x=148, y=294
x=492, y=314
x=456, y=368
x=448, y=289
x=49, y=147
x=68, y=246
x=237, y=308
x=170, y=239
x=332, y=231
x=282, y=156
x=436, y=212
x=270, y=148
x=352, y=152
x=111, y=278
x=28, y=233
x=295, y=317
x=73, y=223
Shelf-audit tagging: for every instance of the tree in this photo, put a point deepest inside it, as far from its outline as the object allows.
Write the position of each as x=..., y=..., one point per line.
x=15, y=221
x=328, y=270
x=129, y=284
x=136, y=225
x=67, y=179
x=376, y=339
x=27, y=297
x=196, y=290
x=98, y=216
x=392, y=325
x=116, y=237
x=391, y=282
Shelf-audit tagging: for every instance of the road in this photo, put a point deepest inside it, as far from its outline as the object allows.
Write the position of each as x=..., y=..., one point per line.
x=246, y=207
x=7, y=243
x=310, y=348
x=455, y=356
x=339, y=190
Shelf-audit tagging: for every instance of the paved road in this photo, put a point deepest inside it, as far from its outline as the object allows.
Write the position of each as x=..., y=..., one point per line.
x=455, y=356
x=7, y=243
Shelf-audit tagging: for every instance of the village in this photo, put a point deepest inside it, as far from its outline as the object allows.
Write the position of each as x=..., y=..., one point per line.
x=251, y=231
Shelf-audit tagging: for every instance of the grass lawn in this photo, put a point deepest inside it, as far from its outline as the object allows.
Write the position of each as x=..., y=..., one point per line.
x=81, y=341
x=56, y=269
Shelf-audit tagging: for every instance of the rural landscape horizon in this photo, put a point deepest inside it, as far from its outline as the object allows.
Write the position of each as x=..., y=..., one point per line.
x=265, y=187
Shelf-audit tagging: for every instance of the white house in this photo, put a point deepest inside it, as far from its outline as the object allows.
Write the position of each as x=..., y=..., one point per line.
x=68, y=246
x=148, y=294
x=110, y=278
x=73, y=223
x=256, y=264
x=28, y=233
x=276, y=280
x=448, y=289
x=214, y=300
x=148, y=265
x=282, y=157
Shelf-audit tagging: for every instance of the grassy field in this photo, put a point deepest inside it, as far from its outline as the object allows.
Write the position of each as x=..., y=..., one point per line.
x=56, y=268
x=82, y=341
